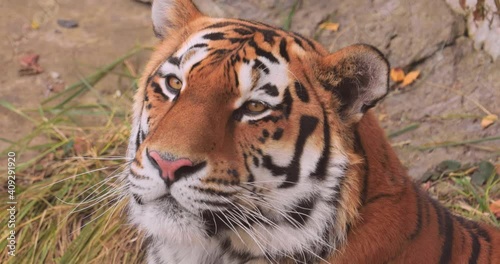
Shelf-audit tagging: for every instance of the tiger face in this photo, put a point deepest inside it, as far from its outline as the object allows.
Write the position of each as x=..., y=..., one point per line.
x=240, y=140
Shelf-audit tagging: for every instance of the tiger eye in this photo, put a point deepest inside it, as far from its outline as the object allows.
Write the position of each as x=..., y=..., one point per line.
x=256, y=107
x=174, y=82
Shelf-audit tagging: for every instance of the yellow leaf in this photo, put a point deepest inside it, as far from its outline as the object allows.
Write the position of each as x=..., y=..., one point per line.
x=397, y=74
x=410, y=78
x=330, y=26
x=382, y=117
x=495, y=208
x=35, y=25
x=488, y=120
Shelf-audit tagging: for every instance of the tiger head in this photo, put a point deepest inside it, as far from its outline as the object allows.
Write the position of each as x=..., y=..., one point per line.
x=242, y=136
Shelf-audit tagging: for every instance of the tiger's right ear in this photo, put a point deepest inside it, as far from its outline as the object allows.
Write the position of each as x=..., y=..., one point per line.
x=171, y=15
x=357, y=76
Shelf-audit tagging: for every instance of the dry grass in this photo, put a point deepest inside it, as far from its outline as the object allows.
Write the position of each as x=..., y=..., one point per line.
x=69, y=205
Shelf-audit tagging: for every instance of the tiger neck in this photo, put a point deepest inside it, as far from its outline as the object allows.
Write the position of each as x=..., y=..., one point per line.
x=383, y=172
x=378, y=176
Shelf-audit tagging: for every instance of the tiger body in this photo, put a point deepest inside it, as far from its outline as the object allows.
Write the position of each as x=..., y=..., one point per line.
x=251, y=144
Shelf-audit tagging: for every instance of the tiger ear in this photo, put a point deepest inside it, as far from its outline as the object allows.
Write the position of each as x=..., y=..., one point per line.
x=358, y=76
x=171, y=15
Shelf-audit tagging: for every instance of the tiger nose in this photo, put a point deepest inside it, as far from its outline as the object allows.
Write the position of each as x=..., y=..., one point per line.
x=167, y=166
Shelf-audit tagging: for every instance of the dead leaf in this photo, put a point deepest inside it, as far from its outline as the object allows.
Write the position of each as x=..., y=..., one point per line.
x=410, y=78
x=426, y=185
x=397, y=74
x=29, y=65
x=81, y=145
x=330, y=26
x=497, y=168
x=35, y=25
x=495, y=208
x=382, y=117
x=488, y=120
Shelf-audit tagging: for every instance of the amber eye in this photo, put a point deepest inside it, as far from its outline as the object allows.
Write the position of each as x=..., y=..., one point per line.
x=254, y=107
x=173, y=82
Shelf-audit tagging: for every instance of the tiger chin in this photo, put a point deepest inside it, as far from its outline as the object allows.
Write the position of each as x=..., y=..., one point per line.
x=251, y=144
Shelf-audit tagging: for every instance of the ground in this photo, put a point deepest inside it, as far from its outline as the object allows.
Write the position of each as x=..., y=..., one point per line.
x=458, y=84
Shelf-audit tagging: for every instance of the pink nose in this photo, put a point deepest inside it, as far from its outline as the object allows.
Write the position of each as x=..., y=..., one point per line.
x=168, y=167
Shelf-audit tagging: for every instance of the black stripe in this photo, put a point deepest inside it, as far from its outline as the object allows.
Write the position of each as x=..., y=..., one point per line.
x=267, y=162
x=283, y=51
x=174, y=60
x=242, y=31
x=306, y=40
x=157, y=89
x=235, y=255
x=137, y=199
x=476, y=248
x=269, y=35
x=262, y=53
x=236, y=81
x=211, y=191
x=301, y=92
x=199, y=45
x=260, y=66
x=287, y=103
x=270, y=89
x=379, y=196
x=297, y=40
x=256, y=161
x=446, y=230
x=301, y=212
x=214, y=36
x=307, y=126
x=136, y=175
x=278, y=133
x=474, y=229
x=250, y=177
x=138, y=139
x=321, y=167
x=448, y=242
x=418, y=224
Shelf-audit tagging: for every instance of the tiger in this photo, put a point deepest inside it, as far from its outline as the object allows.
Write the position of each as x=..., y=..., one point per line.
x=253, y=144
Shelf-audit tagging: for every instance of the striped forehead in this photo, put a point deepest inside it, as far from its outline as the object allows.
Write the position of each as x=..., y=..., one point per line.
x=262, y=76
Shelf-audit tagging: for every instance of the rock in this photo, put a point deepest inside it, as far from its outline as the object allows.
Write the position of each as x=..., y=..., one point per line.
x=483, y=28
x=55, y=75
x=67, y=23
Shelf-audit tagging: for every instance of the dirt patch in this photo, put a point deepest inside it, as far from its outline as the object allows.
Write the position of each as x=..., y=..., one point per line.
x=424, y=35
